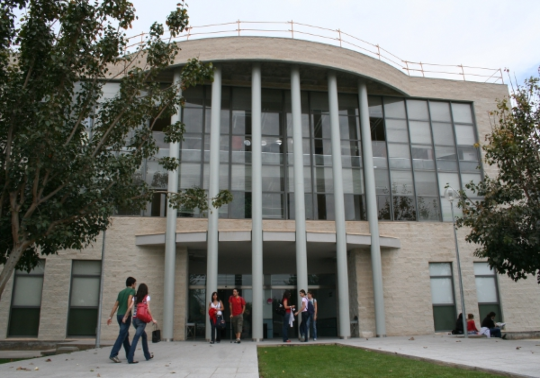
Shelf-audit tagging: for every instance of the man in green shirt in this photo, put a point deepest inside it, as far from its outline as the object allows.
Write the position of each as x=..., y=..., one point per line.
x=122, y=303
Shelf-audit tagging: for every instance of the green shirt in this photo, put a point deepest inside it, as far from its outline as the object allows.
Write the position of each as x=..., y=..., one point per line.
x=122, y=299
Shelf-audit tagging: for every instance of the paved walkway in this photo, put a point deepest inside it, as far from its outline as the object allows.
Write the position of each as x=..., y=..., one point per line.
x=519, y=358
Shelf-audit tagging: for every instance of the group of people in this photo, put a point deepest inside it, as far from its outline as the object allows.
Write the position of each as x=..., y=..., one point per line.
x=308, y=310
x=125, y=304
x=488, y=326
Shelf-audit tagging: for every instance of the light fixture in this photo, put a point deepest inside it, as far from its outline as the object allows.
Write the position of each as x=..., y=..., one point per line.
x=247, y=142
x=279, y=142
x=263, y=142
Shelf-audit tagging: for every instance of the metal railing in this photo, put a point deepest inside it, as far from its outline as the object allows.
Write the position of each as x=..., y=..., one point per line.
x=335, y=37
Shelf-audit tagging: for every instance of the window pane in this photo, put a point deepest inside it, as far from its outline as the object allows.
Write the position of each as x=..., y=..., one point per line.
x=321, y=125
x=417, y=109
x=399, y=155
x=322, y=152
x=465, y=135
x=305, y=113
x=429, y=209
x=447, y=210
x=468, y=159
x=402, y=183
x=308, y=203
x=85, y=292
x=348, y=127
x=441, y=291
x=426, y=183
x=241, y=177
x=193, y=119
x=446, y=158
x=396, y=130
x=27, y=291
x=420, y=132
x=462, y=113
x=352, y=181
x=191, y=147
x=448, y=178
x=444, y=317
x=24, y=322
x=379, y=154
x=240, y=207
x=440, y=111
x=87, y=267
x=272, y=205
x=194, y=96
x=190, y=175
x=307, y=179
x=483, y=269
x=422, y=157
x=382, y=185
x=440, y=269
x=273, y=179
x=354, y=207
x=442, y=134
x=323, y=180
x=270, y=123
x=319, y=102
x=486, y=290
x=241, y=122
x=394, y=108
x=82, y=322
x=324, y=207
x=375, y=107
x=377, y=129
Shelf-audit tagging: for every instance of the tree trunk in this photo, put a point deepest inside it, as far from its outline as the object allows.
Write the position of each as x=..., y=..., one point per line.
x=10, y=265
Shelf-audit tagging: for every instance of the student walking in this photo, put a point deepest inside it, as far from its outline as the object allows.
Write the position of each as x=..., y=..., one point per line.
x=237, y=306
x=122, y=303
x=305, y=316
x=313, y=316
x=143, y=299
x=215, y=311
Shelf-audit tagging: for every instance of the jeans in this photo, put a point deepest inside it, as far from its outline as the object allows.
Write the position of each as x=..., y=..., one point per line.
x=285, y=329
x=123, y=336
x=313, y=322
x=216, y=332
x=139, y=326
x=495, y=332
x=303, y=326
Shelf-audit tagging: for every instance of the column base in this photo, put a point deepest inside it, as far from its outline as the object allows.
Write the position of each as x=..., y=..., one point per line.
x=380, y=336
x=168, y=340
x=344, y=337
x=257, y=340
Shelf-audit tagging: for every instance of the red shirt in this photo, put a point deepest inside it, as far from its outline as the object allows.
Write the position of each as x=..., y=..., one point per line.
x=237, y=304
x=471, y=326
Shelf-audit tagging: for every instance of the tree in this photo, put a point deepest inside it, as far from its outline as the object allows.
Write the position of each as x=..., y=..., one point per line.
x=505, y=224
x=67, y=155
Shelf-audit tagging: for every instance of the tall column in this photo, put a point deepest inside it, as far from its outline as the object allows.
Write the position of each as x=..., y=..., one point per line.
x=341, y=232
x=170, y=236
x=371, y=200
x=256, y=204
x=213, y=189
x=299, y=202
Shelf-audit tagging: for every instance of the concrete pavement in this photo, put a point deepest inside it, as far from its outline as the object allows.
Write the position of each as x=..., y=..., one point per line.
x=520, y=358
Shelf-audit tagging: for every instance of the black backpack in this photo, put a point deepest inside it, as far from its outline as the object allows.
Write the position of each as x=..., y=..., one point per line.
x=310, y=308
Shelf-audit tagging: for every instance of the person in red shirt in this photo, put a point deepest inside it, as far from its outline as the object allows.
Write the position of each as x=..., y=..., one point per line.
x=237, y=305
x=471, y=327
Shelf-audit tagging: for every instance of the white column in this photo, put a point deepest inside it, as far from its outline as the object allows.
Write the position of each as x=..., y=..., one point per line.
x=213, y=189
x=170, y=236
x=256, y=204
x=341, y=232
x=371, y=201
x=299, y=202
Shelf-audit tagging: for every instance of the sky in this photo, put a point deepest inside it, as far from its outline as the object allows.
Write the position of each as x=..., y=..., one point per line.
x=481, y=33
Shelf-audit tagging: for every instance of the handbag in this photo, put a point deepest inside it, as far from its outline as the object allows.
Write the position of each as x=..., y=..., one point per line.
x=142, y=312
x=220, y=322
x=156, y=334
x=280, y=310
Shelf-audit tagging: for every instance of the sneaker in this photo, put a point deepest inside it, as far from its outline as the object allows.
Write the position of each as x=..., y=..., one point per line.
x=237, y=341
x=115, y=359
x=211, y=342
x=504, y=336
x=315, y=339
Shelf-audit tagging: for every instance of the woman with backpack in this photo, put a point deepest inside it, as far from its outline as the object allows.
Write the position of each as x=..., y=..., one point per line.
x=141, y=316
x=216, y=314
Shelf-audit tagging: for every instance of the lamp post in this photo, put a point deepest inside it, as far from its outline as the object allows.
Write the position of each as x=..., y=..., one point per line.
x=450, y=194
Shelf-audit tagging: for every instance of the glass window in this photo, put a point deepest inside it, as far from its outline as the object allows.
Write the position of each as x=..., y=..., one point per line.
x=396, y=131
x=354, y=207
x=422, y=157
x=84, y=298
x=193, y=120
x=426, y=183
x=352, y=181
x=323, y=180
x=448, y=178
x=442, y=296
x=377, y=129
x=194, y=96
x=399, y=155
x=324, y=207
x=462, y=113
x=467, y=178
x=241, y=177
x=446, y=158
x=322, y=152
x=417, y=109
x=272, y=206
x=375, y=107
x=443, y=134
x=273, y=178
x=465, y=135
x=240, y=207
x=190, y=175
x=305, y=114
x=321, y=125
x=394, y=107
x=429, y=209
x=440, y=111
x=420, y=132
x=486, y=290
x=191, y=148
x=26, y=302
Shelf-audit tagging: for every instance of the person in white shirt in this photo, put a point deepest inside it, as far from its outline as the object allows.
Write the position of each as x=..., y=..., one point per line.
x=305, y=316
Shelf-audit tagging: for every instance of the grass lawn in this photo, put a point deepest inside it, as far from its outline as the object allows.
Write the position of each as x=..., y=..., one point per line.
x=341, y=361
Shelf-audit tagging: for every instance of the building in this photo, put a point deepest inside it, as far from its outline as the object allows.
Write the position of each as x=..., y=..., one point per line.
x=337, y=162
